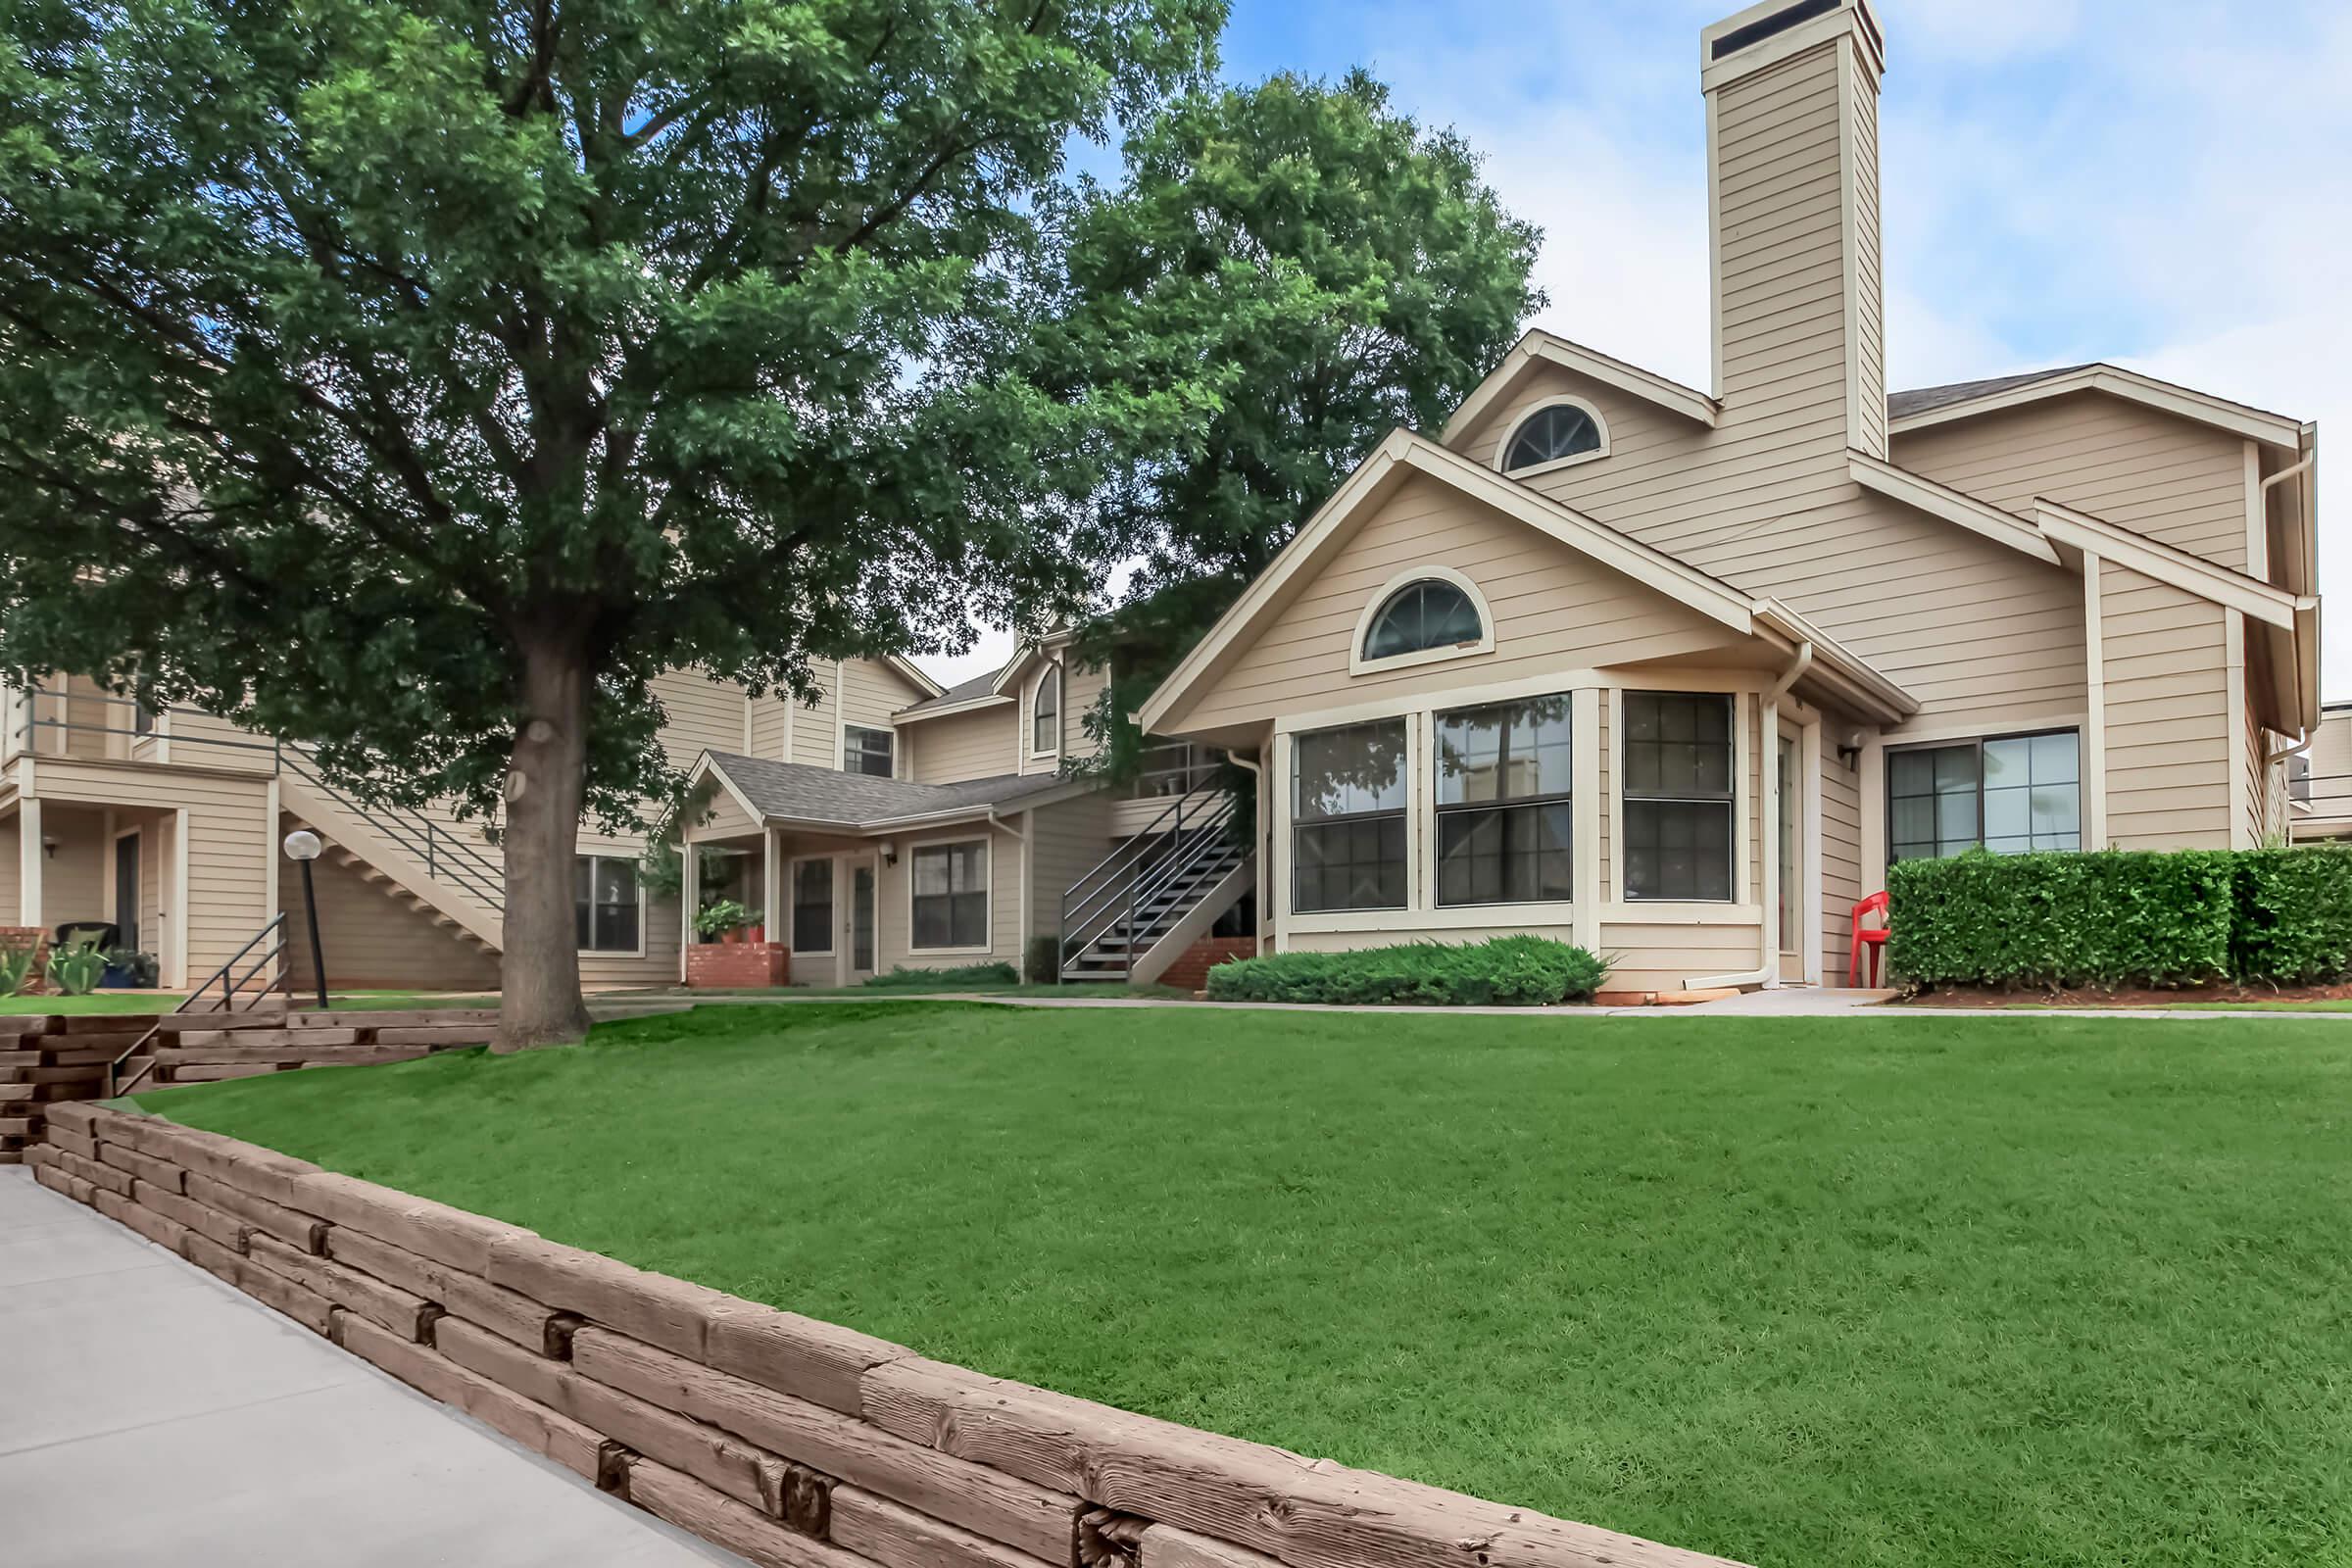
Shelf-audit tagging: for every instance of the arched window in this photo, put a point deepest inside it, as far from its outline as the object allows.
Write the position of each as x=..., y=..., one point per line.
x=1044, y=714
x=1549, y=434
x=1424, y=613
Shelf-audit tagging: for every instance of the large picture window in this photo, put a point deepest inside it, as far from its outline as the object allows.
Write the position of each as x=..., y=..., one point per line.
x=813, y=906
x=1502, y=808
x=1678, y=794
x=604, y=903
x=951, y=895
x=2009, y=793
x=867, y=751
x=1348, y=830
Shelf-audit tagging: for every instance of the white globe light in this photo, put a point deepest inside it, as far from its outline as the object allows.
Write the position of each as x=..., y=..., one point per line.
x=303, y=844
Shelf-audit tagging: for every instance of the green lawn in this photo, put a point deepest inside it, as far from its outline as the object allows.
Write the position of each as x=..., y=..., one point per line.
x=95, y=1002
x=1901, y=1291
x=1075, y=990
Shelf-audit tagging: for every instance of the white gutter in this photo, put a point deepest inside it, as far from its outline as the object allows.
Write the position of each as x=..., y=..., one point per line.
x=1020, y=959
x=1257, y=878
x=1767, y=972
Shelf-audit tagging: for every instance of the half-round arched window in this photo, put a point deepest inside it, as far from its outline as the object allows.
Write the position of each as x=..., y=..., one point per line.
x=1044, y=712
x=1427, y=613
x=1552, y=434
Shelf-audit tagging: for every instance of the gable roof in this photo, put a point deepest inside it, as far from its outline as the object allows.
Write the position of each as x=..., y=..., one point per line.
x=978, y=692
x=916, y=677
x=1538, y=347
x=802, y=796
x=1953, y=506
x=1403, y=454
x=1965, y=399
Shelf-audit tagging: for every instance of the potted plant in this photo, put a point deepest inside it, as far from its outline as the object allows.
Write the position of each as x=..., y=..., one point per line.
x=724, y=920
x=76, y=970
x=130, y=971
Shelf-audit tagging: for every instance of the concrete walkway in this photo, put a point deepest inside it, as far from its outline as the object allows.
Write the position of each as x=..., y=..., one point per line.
x=153, y=1415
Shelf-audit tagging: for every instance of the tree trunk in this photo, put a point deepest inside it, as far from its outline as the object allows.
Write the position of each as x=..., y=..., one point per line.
x=539, y=999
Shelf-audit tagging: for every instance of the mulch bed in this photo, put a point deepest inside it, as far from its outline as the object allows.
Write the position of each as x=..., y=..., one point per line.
x=2130, y=996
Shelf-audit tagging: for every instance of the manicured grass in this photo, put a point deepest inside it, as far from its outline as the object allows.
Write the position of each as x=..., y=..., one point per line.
x=1900, y=1290
x=1072, y=991
x=95, y=1002
x=395, y=1000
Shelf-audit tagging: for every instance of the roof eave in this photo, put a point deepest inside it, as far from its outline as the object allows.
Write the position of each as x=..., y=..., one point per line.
x=2254, y=425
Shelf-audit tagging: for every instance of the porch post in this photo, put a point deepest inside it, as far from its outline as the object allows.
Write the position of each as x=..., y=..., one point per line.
x=772, y=881
x=1773, y=807
x=689, y=893
x=176, y=964
x=28, y=862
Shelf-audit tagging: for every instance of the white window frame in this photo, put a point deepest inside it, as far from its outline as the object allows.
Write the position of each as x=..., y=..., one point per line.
x=792, y=871
x=988, y=891
x=1052, y=672
x=1742, y=804
x=637, y=882
x=1358, y=665
x=848, y=751
x=1600, y=426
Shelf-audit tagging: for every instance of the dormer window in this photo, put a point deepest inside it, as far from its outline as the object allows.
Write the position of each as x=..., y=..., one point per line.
x=1045, y=715
x=1424, y=615
x=1555, y=434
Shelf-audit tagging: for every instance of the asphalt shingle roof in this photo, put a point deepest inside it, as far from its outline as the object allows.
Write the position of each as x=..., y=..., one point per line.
x=960, y=692
x=806, y=794
x=1903, y=404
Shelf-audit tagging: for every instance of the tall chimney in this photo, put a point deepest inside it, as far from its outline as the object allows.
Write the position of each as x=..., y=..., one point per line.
x=1792, y=190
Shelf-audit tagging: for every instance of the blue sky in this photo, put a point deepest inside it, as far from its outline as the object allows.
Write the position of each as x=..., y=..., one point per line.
x=2164, y=185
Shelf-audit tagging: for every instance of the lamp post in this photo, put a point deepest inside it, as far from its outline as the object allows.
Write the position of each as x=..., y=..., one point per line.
x=303, y=846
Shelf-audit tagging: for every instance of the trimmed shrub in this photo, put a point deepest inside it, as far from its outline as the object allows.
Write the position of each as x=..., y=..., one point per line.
x=1041, y=961
x=2124, y=918
x=964, y=975
x=1517, y=971
x=2293, y=917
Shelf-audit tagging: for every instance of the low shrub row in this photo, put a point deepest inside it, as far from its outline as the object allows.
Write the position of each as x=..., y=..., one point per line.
x=963, y=974
x=2124, y=918
x=1518, y=971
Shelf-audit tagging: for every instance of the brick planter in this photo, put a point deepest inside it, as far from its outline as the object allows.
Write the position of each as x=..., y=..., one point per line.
x=738, y=966
x=36, y=981
x=794, y=1443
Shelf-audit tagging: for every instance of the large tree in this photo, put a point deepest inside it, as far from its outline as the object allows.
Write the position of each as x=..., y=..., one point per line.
x=420, y=378
x=1334, y=268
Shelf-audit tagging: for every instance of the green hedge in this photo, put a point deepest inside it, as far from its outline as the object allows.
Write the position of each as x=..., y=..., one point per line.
x=2122, y=917
x=1504, y=971
x=968, y=974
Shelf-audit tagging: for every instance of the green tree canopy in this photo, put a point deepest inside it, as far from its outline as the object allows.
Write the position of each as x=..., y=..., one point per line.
x=422, y=378
x=1338, y=269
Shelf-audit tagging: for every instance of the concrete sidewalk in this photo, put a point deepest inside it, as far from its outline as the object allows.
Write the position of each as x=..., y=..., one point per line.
x=153, y=1415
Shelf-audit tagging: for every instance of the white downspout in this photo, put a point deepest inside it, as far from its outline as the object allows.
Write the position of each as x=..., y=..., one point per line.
x=1257, y=873
x=1020, y=956
x=1767, y=972
x=2273, y=759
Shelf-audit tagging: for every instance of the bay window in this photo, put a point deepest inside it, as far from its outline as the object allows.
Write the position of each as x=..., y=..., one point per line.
x=2008, y=793
x=1348, y=827
x=1504, y=824
x=1677, y=757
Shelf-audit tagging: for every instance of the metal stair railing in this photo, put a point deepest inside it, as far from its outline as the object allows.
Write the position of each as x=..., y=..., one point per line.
x=1134, y=876
x=271, y=938
x=447, y=856
x=1092, y=902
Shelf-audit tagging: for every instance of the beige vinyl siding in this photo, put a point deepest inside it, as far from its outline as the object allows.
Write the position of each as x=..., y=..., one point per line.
x=771, y=717
x=964, y=746
x=374, y=938
x=1870, y=306
x=815, y=739
x=872, y=692
x=1841, y=858
x=2169, y=735
x=700, y=714
x=724, y=819
x=657, y=923
x=2331, y=807
x=2170, y=479
x=1666, y=955
x=1086, y=684
x=1067, y=840
x=1553, y=610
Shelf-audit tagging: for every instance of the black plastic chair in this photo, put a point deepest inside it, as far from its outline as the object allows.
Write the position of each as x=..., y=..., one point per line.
x=103, y=935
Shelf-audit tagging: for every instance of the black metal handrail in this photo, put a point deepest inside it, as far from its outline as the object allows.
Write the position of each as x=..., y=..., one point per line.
x=1131, y=877
x=230, y=982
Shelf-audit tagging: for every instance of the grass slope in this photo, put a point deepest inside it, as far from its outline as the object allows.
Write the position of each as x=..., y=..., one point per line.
x=1877, y=1291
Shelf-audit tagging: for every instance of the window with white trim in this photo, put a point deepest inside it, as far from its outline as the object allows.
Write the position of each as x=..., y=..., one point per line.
x=1552, y=433
x=1348, y=827
x=1504, y=829
x=867, y=751
x=2008, y=793
x=813, y=906
x=1044, y=714
x=1678, y=796
x=605, y=903
x=1427, y=613
x=950, y=896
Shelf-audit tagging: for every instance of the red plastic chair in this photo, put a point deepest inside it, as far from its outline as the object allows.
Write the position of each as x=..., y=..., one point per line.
x=1870, y=939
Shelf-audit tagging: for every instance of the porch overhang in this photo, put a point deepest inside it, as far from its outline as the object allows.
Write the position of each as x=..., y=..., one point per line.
x=795, y=797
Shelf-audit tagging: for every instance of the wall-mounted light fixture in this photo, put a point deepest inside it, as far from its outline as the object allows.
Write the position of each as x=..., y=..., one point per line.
x=890, y=853
x=49, y=846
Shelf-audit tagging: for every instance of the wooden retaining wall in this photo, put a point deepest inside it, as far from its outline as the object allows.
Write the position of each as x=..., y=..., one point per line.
x=794, y=1442
x=49, y=1058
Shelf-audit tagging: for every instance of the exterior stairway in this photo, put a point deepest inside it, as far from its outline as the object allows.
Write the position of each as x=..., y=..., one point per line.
x=447, y=875
x=1135, y=914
